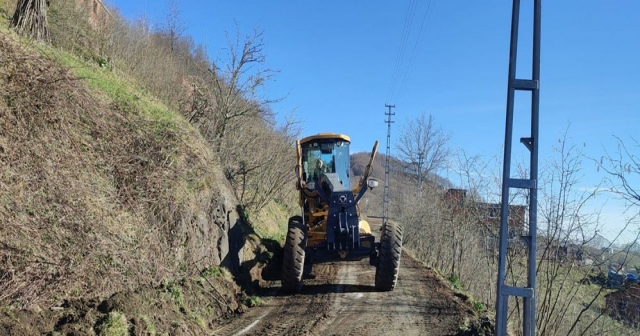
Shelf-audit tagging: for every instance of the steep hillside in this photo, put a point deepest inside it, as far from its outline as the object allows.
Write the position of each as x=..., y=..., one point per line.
x=402, y=183
x=103, y=190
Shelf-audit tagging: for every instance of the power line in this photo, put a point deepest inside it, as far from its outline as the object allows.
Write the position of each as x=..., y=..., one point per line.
x=406, y=31
x=422, y=32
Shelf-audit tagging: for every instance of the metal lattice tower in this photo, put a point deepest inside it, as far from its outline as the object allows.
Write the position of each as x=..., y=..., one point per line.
x=532, y=85
x=385, y=207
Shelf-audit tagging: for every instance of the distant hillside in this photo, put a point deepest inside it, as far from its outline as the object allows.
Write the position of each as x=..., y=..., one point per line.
x=401, y=181
x=359, y=162
x=599, y=242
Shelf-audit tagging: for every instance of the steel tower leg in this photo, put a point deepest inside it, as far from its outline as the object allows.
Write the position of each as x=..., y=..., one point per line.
x=385, y=200
x=532, y=85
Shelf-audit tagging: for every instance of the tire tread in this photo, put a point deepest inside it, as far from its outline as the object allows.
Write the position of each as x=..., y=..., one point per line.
x=389, y=257
x=294, y=255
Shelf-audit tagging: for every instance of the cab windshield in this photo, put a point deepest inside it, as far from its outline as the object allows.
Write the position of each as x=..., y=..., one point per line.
x=326, y=156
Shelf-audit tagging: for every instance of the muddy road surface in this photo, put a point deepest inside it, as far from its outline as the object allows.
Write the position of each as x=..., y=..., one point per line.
x=338, y=298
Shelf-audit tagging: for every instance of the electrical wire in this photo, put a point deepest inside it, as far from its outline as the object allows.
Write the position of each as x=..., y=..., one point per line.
x=406, y=31
x=398, y=81
x=423, y=29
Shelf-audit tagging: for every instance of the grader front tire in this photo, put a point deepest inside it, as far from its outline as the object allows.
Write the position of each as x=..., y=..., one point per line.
x=294, y=254
x=389, y=257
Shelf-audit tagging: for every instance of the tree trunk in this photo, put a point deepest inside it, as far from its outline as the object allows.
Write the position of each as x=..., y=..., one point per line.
x=30, y=19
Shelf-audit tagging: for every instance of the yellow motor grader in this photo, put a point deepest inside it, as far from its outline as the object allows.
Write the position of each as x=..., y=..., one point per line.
x=329, y=227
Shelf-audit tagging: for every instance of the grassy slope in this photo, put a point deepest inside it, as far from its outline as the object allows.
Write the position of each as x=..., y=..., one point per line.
x=103, y=190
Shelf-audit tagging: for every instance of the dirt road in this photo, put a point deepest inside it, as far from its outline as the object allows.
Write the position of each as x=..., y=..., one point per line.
x=339, y=299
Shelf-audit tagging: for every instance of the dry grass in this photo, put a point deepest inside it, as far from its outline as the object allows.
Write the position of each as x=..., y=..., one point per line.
x=105, y=187
x=97, y=193
x=271, y=221
x=6, y=10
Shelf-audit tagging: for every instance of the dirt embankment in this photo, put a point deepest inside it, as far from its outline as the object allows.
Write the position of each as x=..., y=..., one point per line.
x=191, y=306
x=102, y=193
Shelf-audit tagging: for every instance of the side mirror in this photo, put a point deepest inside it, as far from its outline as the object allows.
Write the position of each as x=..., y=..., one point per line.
x=372, y=184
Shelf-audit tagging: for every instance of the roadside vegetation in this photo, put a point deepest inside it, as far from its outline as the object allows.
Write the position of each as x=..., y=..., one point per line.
x=454, y=229
x=137, y=173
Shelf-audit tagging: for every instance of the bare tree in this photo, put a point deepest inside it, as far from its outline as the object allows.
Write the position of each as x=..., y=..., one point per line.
x=566, y=228
x=453, y=235
x=30, y=19
x=258, y=159
x=226, y=104
x=237, y=84
x=174, y=26
x=623, y=166
x=423, y=146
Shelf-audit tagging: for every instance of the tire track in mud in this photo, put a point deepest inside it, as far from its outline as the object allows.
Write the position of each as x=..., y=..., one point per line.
x=340, y=299
x=290, y=320
x=284, y=314
x=343, y=298
x=420, y=304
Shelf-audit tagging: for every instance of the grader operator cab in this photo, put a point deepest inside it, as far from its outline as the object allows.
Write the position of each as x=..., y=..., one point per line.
x=330, y=227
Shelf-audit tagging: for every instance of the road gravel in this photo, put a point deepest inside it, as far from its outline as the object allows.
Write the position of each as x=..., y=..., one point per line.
x=338, y=298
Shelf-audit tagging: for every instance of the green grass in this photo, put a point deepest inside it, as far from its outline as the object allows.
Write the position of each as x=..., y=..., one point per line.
x=478, y=306
x=174, y=290
x=213, y=271
x=271, y=222
x=455, y=281
x=5, y=9
x=120, y=90
x=253, y=301
x=115, y=324
x=199, y=320
x=176, y=294
x=151, y=328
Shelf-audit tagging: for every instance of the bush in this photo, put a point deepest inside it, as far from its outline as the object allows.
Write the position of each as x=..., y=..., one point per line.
x=455, y=281
x=114, y=324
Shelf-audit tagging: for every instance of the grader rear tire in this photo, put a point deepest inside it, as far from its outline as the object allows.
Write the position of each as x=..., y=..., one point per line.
x=389, y=257
x=294, y=253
